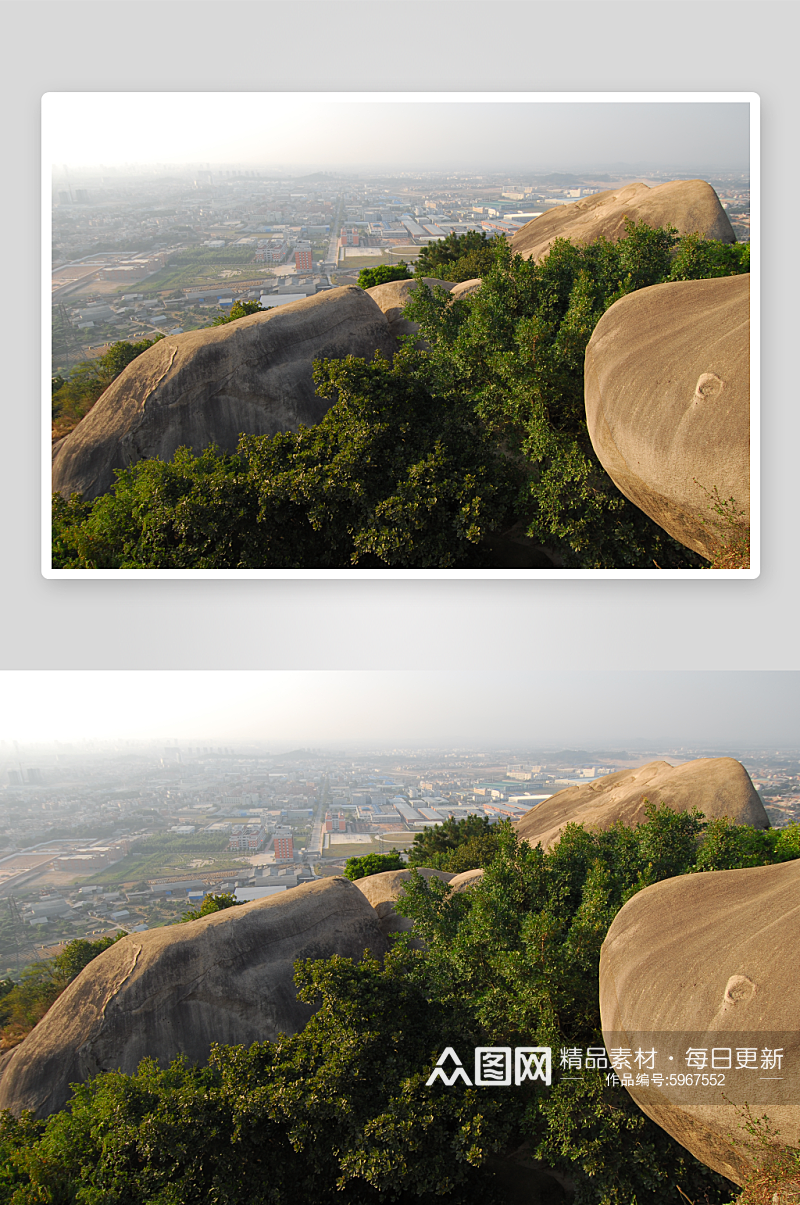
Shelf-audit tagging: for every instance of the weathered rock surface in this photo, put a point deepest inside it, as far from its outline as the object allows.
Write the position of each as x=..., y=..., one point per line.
x=714, y=954
x=226, y=978
x=667, y=393
x=383, y=889
x=466, y=287
x=717, y=786
x=465, y=880
x=691, y=206
x=394, y=296
x=251, y=376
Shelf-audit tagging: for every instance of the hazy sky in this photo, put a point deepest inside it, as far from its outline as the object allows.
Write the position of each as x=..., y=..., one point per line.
x=290, y=708
x=322, y=131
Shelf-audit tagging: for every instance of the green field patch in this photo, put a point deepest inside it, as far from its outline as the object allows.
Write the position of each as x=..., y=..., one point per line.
x=155, y=857
x=199, y=266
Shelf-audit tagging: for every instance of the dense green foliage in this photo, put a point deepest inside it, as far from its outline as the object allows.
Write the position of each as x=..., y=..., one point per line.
x=458, y=257
x=456, y=845
x=212, y=903
x=239, y=309
x=382, y=274
x=516, y=349
x=340, y=1113
x=422, y=462
x=385, y=479
x=74, y=397
x=359, y=868
x=23, y=1004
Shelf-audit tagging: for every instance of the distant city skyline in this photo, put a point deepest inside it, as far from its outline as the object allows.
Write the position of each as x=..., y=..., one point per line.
x=468, y=709
x=306, y=132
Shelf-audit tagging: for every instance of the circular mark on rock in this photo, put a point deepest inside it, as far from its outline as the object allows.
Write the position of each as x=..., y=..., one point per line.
x=708, y=386
x=738, y=990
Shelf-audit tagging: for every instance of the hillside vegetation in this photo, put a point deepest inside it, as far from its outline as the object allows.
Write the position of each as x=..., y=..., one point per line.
x=74, y=397
x=24, y=1003
x=422, y=462
x=341, y=1114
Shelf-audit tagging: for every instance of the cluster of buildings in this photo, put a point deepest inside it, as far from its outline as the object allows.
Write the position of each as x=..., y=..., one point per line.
x=70, y=813
x=113, y=231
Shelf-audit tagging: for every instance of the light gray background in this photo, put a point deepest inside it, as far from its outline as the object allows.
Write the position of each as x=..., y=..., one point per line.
x=442, y=45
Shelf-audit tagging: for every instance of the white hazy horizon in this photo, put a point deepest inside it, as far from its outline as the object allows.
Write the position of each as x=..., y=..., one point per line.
x=396, y=708
x=302, y=131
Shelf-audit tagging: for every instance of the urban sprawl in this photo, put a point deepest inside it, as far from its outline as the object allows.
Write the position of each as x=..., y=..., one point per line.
x=136, y=255
x=127, y=836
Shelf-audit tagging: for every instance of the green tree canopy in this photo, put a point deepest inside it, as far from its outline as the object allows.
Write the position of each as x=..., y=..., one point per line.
x=391, y=476
x=383, y=274
x=23, y=1004
x=239, y=309
x=359, y=868
x=74, y=397
x=456, y=845
x=212, y=903
x=459, y=257
x=516, y=349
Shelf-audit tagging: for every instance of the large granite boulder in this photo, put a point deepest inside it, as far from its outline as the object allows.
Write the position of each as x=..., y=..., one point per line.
x=382, y=890
x=226, y=978
x=251, y=376
x=465, y=288
x=717, y=786
x=393, y=297
x=691, y=206
x=466, y=880
x=707, y=962
x=667, y=392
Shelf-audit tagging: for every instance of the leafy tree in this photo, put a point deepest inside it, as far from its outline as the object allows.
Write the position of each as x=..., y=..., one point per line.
x=360, y=868
x=383, y=274
x=79, y=953
x=73, y=398
x=516, y=349
x=191, y=512
x=728, y=846
x=23, y=1004
x=239, y=309
x=391, y=476
x=212, y=903
x=456, y=845
x=459, y=257
x=697, y=258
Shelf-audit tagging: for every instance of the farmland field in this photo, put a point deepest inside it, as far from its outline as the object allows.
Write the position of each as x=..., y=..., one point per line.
x=201, y=267
x=167, y=854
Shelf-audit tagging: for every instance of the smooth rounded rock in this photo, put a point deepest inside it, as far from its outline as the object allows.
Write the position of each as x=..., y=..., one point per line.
x=382, y=890
x=394, y=296
x=225, y=978
x=465, y=288
x=667, y=394
x=251, y=376
x=716, y=786
x=714, y=955
x=466, y=880
x=691, y=206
